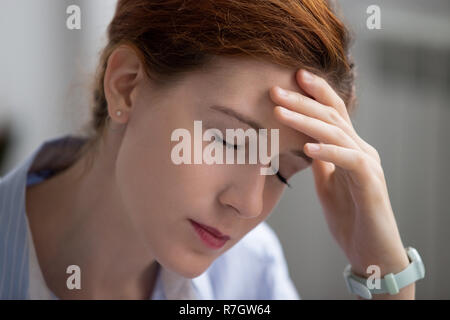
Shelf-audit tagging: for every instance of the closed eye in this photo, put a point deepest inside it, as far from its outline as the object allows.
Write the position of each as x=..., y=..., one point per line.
x=225, y=143
x=235, y=146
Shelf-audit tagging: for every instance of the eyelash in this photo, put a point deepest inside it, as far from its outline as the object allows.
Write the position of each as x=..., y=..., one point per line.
x=229, y=145
x=226, y=144
x=283, y=180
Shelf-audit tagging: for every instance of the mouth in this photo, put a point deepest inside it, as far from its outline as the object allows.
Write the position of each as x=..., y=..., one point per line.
x=210, y=236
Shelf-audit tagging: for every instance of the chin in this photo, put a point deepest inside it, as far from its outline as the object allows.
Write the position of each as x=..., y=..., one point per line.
x=188, y=266
x=191, y=274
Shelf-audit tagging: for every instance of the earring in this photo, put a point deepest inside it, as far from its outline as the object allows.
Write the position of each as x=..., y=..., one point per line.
x=118, y=113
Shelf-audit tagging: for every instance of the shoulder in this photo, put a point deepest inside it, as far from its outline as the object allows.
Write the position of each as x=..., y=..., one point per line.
x=254, y=268
x=13, y=236
x=13, y=226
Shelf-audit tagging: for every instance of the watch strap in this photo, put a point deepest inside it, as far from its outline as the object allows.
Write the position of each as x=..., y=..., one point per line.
x=390, y=283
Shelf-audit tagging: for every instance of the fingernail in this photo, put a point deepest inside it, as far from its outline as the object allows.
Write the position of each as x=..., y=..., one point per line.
x=282, y=92
x=313, y=147
x=307, y=76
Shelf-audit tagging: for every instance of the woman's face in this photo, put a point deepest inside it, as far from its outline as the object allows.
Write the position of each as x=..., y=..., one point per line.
x=162, y=197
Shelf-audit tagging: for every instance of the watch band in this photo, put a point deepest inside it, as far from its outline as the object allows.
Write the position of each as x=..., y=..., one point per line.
x=391, y=283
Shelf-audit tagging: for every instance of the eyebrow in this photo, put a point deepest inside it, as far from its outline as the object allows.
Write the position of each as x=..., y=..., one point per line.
x=242, y=118
x=255, y=125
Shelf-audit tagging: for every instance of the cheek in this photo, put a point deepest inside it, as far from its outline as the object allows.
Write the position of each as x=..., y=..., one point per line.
x=141, y=171
x=199, y=180
x=158, y=208
x=154, y=190
x=136, y=178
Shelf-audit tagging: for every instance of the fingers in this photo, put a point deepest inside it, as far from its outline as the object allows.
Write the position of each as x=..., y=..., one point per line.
x=325, y=105
x=322, y=92
x=351, y=160
x=317, y=129
x=297, y=102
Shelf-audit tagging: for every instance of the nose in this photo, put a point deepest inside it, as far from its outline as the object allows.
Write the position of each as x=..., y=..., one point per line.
x=244, y=194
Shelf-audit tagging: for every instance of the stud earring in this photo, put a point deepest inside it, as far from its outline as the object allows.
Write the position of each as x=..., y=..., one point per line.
x=118, y=113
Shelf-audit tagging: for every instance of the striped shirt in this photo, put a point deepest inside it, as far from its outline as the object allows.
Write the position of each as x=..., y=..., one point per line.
x=261, y=273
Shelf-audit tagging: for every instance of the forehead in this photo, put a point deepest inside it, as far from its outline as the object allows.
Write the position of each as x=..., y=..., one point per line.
x=243, y=84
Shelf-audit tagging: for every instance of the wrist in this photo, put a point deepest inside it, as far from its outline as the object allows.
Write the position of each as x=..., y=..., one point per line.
x=386, y=266
x=396, y=279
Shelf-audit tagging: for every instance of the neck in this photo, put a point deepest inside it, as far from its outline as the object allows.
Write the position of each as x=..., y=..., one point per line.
x=83, y=222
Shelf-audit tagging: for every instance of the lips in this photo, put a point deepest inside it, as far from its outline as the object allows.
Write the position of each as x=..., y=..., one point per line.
x=212, y=237
x=212, y=230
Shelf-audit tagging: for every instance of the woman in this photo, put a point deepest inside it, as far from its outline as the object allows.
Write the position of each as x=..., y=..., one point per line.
x=137, y=226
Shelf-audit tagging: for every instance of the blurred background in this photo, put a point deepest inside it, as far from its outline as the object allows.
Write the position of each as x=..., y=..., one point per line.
x=403, y=88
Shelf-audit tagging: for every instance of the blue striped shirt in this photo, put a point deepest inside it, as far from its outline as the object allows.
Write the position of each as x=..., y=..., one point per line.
x=261, y=273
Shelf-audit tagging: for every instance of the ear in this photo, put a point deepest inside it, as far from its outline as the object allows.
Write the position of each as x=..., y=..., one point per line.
x=122, y=74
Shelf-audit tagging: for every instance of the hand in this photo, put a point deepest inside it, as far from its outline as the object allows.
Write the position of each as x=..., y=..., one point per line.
x=348, y=176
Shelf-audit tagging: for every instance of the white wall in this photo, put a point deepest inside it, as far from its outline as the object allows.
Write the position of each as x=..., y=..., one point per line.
x=46, y=69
